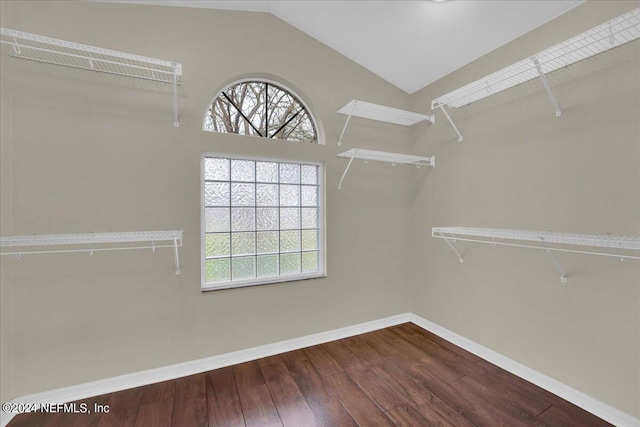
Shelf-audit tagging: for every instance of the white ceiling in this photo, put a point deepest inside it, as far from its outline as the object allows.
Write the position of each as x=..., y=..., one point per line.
x=408, y=43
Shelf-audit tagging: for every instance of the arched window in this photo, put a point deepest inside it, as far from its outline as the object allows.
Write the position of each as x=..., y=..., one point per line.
x=261, y=108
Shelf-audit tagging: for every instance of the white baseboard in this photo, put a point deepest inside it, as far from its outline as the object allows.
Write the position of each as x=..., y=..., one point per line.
x=122, y=382
x=588, y=403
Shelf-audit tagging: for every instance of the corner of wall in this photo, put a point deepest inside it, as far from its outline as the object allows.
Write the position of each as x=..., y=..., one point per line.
x=5, y=219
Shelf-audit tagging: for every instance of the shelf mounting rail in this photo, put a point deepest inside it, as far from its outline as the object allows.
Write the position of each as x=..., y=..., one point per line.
x=614, y=33
x=37, y=48
x=92, y=242
x=621, y=247
x=383, y=156
x=381, y=113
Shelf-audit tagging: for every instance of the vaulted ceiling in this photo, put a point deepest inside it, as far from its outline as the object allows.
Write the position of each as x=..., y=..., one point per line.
x=408, y=43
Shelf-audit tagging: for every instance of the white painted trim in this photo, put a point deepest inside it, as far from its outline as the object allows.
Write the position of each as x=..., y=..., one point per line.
x=588, y=403
x=136, y=379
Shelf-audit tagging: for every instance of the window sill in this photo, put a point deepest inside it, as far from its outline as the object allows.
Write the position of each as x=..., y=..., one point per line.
x=266, y=281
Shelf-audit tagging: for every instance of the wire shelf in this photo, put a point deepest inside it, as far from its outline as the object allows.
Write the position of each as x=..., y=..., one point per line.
x=383, y=156
x=60, y=52
x=574, y=239
x=382, y=113
x=90, y=238
x=549, y=241
x=614, y=33
x=69, y=54
x=91, y=242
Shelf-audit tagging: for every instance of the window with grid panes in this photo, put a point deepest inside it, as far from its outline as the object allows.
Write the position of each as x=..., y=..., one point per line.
x=262, y=221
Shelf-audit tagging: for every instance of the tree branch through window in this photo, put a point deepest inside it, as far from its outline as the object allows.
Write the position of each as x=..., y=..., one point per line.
x=261, y=109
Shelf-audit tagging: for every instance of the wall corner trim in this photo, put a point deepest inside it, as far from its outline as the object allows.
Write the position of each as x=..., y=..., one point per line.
x=137, y=379
x=588, y=403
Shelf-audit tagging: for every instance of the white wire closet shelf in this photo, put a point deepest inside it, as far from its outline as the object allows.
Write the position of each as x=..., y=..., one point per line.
x=91, y=242
x=381, y=113
x=383, y=156
x=614, y=33
x=549, y=241
x=69, y=54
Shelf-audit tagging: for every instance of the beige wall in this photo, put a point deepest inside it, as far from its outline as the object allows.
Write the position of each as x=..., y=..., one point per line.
x=93, y=152
x=84, y=152
x=5, y=214
x=520, y=167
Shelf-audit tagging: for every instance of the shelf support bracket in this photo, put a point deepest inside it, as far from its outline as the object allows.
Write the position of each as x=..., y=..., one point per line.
x=556, y=264
x=545, y=83
x=346, y=170
x=175, y=253
x=453, y=248
x=176, y=123
x=344, y=129
x=451, y=121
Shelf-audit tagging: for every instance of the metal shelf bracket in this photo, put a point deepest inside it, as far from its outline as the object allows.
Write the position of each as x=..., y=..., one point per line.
x=176, y=122
x=554, y=261
x=343, y=130
x=451, y=121
x=175, y=253
x=346, y=170
x=545, y=83
x=453, y=248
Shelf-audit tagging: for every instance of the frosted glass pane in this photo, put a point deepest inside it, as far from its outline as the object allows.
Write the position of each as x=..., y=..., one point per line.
x=309, y=195
x=243, y=219
x=266, y=172
x=267, y=242
x=243, y=243
x=309, y=240
x=216, y=169
x=289, y=241
x=309, y=261
x=289, y=218
x=267, y=218
x=289, y=173
x=244, y=268
x=289, y=263
x=217, y=219
x=266, y=195
x=289, y=195
x=267, y=265
x=217, y=270
x=243, y=194
x=242, y=170
x=217, y=244
x=309, y=174
x=216, y=194
x=309, y=217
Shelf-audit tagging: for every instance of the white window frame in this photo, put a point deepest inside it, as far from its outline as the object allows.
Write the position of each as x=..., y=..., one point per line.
x=272, y=279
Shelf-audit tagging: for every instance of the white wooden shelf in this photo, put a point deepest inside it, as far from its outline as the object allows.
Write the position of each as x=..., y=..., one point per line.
x=37, y=48
x=383, y=156
x=621, y=247
x=616, y=32
x=381, y=113
x=91, y=242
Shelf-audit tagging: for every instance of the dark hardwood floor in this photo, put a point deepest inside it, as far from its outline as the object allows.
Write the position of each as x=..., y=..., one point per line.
x=401, y=375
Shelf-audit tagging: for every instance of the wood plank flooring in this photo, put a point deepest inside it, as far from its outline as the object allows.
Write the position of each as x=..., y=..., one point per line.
x=398, y=376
